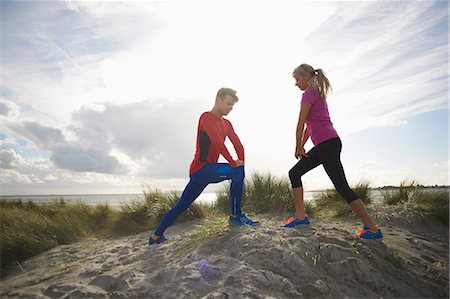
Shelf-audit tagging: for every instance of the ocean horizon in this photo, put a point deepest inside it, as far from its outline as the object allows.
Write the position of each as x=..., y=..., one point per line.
x=117, y=200
x=113, y=199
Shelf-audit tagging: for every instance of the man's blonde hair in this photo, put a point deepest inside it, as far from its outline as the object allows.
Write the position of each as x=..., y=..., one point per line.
x=223, y=92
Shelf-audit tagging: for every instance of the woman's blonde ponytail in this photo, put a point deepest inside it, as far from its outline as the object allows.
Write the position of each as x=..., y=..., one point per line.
x=318, y=82
x=321, y=84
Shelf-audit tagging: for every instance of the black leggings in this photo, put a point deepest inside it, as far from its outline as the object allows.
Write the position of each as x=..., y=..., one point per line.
x=327, y=153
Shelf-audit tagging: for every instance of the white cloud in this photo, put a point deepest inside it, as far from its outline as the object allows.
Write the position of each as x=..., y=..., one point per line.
x=82, y=155
x=12, y=176
x=9, y=159
x=157, y=137
x=8, y=108
x=79, y=77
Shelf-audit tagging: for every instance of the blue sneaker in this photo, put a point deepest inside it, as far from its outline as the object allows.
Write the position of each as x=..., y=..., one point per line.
x=248, y=221
x=296, y=222
x=236, y=220
x=366, y=233
x=242, y=220
x=161, y=239
x=292, y=218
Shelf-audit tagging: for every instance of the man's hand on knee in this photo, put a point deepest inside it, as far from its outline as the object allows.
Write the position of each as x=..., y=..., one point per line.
x=239, y=163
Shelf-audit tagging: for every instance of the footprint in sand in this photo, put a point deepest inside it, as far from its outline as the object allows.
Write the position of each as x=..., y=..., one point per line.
x=57, y=291
x=110, y=283
x=428, y=258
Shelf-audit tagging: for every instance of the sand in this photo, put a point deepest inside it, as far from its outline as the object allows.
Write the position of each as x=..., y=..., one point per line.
x=322, y=260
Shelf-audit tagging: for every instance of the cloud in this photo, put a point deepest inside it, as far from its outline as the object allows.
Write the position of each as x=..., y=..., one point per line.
x=113, y=89
x=9, y=159
x=158, y=134
x=12, y=176
x=8, y=109
x=79, y=158
x=71, y=155
x=391, y=62
x=150, y=138
x=45, y=137
x=4, y=109
x=52, y=52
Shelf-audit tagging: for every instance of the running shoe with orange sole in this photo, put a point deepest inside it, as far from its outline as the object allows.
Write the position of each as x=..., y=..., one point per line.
x=366, y=233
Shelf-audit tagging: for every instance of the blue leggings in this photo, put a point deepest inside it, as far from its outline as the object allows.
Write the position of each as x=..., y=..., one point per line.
x=210, y=173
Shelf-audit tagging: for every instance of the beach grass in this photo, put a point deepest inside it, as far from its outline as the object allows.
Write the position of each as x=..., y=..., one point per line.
x=329, y=203
x=202, y=233
x=433, y=203
x=401, y=194
x=28, y=228
x=142, y=214
x=263, y=193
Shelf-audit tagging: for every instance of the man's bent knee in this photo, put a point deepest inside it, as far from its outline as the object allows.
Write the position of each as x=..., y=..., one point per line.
x=238, y=173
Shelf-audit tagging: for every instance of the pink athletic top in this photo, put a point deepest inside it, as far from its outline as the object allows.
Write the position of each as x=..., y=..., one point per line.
x=318, y=122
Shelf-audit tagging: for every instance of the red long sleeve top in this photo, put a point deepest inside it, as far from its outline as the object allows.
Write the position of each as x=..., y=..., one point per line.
x=211, y=134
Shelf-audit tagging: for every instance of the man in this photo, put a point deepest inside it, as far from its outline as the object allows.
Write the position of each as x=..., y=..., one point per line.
x=211, y=134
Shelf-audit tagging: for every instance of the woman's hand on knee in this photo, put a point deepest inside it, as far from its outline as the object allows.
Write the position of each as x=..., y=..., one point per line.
x=300, y=152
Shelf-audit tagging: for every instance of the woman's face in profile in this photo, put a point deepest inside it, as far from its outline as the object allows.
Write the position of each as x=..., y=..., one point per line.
x=301, y=80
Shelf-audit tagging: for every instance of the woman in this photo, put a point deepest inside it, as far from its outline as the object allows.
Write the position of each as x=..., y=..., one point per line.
x=326, y=150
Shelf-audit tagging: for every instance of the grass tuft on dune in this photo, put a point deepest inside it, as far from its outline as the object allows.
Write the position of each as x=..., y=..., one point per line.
x=28, y=229
x=433, y=204
x=263, y=193
x=330, y=204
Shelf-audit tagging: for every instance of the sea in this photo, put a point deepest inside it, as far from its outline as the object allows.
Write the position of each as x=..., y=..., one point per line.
x=116, y=200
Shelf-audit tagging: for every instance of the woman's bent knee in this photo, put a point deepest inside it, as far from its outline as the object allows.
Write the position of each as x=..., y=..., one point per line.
x=295, y=178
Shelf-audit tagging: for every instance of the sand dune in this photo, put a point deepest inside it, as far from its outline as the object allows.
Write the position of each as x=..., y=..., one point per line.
x=323, y=260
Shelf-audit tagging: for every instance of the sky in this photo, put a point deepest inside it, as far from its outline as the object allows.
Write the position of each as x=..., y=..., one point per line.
x=104, y=97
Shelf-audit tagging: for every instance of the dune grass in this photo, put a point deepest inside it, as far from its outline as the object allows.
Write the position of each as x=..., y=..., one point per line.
x=263, y=193
x=330, y=203
x=28, y=229
x=202, y=233
x=434, y=203
x=141, y=214
x=406, y=191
